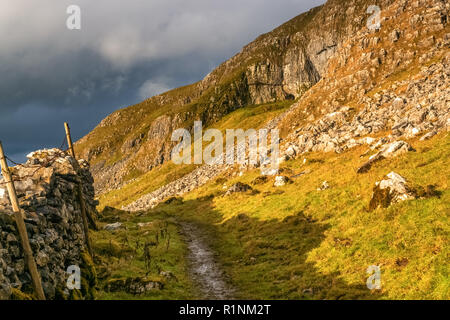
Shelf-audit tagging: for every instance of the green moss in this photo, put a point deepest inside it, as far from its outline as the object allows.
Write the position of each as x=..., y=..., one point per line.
x=88, y=280
x=16, y=294
x=380, y=198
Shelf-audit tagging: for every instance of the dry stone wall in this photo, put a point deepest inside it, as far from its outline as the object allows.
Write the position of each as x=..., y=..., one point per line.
x=47, y=189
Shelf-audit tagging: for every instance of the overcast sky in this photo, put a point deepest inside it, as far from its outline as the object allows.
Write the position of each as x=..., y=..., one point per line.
x=126, y=51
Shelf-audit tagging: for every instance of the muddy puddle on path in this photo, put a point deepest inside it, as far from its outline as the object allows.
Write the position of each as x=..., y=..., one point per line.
x=204, y=269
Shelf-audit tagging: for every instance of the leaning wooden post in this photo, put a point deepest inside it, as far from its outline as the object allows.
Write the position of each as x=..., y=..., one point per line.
x=69, y=140
x=80, y=193
x=21, y=227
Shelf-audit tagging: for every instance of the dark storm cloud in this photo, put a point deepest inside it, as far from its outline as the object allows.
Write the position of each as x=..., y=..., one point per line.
x=126, y=51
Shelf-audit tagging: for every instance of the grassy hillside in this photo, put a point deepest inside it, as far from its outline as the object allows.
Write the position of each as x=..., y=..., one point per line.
x=224, y=90
x=295, y=242
x=254, y=116
x=298, y=241
x=297, y=238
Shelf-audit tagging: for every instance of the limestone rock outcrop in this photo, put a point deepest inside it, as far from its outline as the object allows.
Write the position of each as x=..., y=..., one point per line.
x=389, y=150
x=238, y=187
x=394, y=188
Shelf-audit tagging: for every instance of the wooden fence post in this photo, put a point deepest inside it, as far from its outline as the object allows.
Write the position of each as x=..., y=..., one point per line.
x=69, y=140
x=21, y=227
x=72, y=153
x=80, y=194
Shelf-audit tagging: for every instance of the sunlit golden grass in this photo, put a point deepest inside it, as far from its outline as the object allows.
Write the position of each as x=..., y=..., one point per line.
x=266, y=256
x=295, y=242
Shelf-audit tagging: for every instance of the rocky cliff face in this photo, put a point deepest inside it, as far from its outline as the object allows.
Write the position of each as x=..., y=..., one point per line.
x=380, y=88
x=47, y=189
x=385, y=85
x=280, y=65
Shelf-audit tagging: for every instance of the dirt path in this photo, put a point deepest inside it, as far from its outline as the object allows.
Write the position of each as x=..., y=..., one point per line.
x=204, y=269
